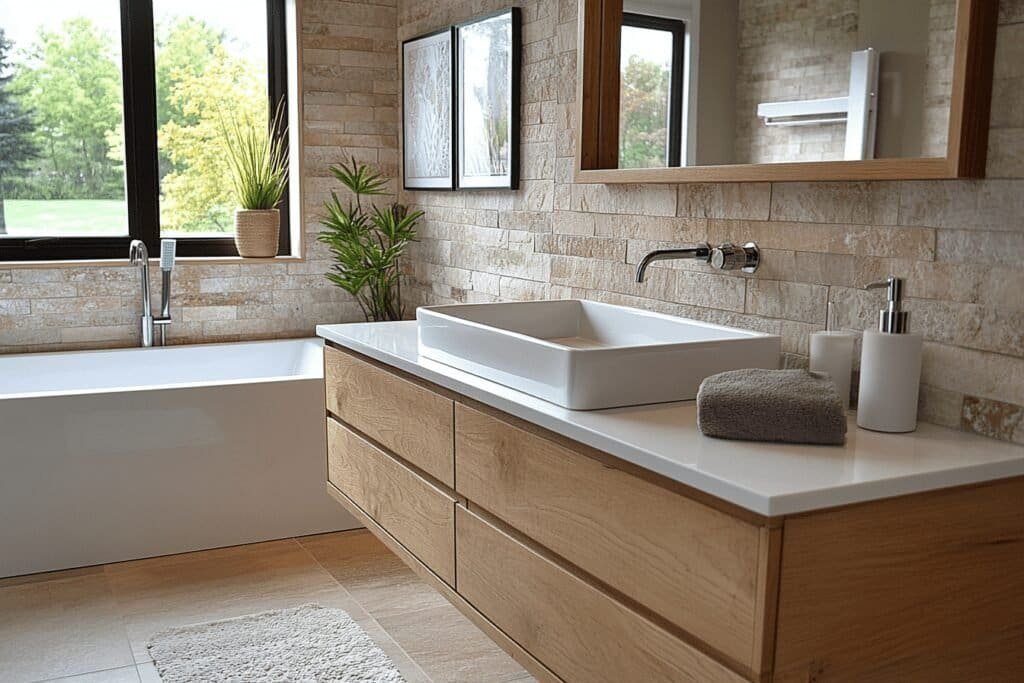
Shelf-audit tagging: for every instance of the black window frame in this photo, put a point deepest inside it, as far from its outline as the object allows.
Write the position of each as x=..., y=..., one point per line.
x=142, y=178
x=677, y=28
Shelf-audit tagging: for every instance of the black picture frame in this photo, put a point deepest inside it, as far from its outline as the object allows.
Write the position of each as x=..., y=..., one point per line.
x=423, y=182
x=508, y=179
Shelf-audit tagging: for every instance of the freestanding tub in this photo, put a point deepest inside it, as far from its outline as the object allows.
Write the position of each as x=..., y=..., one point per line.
x=115, y=455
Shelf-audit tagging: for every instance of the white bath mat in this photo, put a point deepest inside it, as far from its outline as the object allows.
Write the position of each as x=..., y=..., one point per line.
x=308, y=643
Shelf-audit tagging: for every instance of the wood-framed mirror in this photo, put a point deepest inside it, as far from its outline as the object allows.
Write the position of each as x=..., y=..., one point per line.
x=675, y=91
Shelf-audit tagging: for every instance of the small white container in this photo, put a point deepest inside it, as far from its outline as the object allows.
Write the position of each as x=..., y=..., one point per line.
x=890, y=368
x=832, y=353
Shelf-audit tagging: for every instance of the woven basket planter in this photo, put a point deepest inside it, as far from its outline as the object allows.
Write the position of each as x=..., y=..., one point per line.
x=257, y=232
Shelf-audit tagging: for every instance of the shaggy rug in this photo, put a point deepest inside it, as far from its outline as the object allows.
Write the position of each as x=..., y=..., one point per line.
x=308, y=643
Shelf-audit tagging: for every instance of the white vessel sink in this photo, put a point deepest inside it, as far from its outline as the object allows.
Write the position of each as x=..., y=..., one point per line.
x=585, y=355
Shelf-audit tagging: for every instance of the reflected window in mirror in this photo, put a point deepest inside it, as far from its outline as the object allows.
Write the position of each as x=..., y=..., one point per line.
x=652, y=79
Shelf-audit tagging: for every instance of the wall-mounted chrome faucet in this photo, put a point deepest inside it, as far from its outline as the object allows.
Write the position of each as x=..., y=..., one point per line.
x=726, y=256
x=700, y=252
x=138, y=254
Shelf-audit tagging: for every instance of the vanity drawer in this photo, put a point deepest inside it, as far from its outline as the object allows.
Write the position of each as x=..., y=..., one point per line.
x=574, y=629
x=417, y=513
x=402, y=415
x=694, y=565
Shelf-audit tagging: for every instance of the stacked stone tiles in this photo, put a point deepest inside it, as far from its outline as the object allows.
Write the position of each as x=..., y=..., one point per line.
x=960, y=244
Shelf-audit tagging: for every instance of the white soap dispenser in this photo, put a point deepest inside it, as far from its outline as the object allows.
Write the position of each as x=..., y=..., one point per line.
x=890, y=367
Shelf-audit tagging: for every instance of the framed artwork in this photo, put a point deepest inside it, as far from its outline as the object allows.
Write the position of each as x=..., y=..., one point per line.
x=428, y=117
x=487, y=53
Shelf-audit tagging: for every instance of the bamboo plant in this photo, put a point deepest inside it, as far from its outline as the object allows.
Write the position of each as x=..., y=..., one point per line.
x=367, y=244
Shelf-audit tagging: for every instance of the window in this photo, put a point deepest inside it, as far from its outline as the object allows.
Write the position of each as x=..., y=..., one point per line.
x=651, y=91
x=110, y=120
x=61, y=123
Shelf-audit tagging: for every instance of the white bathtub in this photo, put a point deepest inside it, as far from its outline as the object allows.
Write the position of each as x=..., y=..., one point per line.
x=115, y=455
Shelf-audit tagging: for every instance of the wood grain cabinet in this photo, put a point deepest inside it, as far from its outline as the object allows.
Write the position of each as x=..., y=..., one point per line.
x=398, y=412
x=585, y=568
x=577, y=629
x=700, y=565
x=417, y=513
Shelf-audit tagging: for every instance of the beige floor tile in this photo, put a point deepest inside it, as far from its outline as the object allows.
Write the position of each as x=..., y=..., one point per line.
x=411, y=671
x=98, y=619
x=147, y=673
x=450, y=648
x=125, y=674
x=443, y=642
x=162, y=592
x=375, y=577
x=60, y=627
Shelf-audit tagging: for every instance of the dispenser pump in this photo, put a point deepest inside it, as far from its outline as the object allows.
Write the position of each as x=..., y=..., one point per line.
x=892, y=319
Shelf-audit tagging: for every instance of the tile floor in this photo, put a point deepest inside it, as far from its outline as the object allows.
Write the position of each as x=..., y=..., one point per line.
x=91, y=625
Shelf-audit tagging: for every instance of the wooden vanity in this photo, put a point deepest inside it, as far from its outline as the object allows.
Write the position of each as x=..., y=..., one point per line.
x=586, y=567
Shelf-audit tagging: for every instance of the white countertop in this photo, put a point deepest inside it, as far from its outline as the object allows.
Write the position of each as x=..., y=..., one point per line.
x=769, y=479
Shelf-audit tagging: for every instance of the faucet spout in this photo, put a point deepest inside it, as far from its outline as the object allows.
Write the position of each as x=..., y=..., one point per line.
x=139, y=256
x=699, y=252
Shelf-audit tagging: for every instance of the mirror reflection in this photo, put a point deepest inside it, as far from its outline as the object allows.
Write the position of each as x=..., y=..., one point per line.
x=712, y=82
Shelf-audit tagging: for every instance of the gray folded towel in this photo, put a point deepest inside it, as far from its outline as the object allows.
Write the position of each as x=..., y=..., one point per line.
x=797, y=406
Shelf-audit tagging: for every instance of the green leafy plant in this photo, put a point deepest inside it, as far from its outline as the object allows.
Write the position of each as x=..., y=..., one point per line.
x=258, y=160
x=367, y=244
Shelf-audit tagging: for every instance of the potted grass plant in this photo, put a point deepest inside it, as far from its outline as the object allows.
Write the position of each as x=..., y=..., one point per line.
x=258, y=160
x=367, y=243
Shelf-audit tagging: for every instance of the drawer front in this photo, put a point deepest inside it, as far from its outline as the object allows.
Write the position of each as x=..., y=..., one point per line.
x=574, y=629
x=700, y=565
x=403, y=416
x=418, y=514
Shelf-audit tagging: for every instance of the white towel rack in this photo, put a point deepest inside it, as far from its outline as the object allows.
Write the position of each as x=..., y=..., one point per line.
x=805, y=112
x=858, y=110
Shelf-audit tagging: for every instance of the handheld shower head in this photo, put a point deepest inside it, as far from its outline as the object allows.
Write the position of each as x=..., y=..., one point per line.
x=168, y=249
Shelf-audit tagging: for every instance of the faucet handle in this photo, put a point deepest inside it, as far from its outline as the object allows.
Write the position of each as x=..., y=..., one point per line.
x=729, y=256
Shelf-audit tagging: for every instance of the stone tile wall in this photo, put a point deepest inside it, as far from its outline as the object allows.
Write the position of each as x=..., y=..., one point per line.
x=796, y=50
x=938, y=77
x=792, y=50
x=350, y=86
x=960, y=244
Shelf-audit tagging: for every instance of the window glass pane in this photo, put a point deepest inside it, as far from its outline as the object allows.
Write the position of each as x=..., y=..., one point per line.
x=61, y=119
x=646, y=70
x=211, y=65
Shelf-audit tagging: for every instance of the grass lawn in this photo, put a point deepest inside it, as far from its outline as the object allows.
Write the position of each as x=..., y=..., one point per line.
x=80, y=218
x=52, y=218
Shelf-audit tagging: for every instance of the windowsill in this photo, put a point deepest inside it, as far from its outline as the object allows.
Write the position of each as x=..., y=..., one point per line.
x=184, y=260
